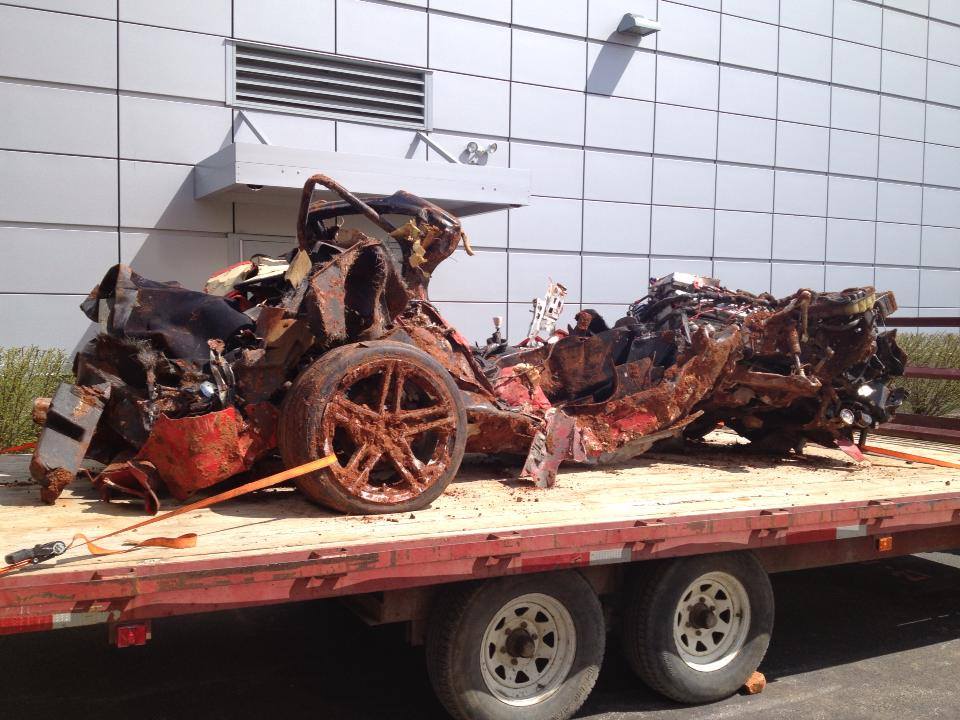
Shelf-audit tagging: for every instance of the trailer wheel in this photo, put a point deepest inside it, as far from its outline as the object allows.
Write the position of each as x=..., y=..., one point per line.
x=393, y=417
x=516, y=647
x=696, y=628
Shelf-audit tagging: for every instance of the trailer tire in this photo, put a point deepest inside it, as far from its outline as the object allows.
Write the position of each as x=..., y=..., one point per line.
x=367, y=403
x=551, y=628
x=695, y=628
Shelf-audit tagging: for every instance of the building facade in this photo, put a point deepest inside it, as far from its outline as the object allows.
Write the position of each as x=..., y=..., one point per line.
x=774, y=144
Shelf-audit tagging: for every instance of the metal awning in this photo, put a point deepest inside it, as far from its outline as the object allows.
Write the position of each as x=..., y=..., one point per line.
x=254, y=173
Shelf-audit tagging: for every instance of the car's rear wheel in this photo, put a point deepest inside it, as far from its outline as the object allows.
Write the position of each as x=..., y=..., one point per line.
x=392, y=416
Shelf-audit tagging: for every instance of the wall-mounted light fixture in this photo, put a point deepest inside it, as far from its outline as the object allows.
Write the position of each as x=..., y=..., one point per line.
x=477, y=155
x=638, y=25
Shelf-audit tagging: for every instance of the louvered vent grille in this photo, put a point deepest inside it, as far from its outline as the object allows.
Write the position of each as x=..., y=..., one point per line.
x=315, y=84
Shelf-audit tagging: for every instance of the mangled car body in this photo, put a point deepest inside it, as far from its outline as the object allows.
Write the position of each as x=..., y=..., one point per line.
x=335, y=348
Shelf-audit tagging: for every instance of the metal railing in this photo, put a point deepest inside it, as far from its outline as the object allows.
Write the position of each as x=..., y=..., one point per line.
x=925, y=427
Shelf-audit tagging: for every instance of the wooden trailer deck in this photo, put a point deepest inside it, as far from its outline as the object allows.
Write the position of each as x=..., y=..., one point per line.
x=275, y=546
x=720, y=478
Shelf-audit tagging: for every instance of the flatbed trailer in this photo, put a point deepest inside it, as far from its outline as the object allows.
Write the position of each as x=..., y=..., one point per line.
x=605, y=549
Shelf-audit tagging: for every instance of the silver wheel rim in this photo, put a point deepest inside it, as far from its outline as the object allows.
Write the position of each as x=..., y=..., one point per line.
x=528, y=649
x=711, y=621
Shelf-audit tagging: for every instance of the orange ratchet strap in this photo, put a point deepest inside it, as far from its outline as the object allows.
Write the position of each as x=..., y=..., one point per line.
x=188, y=540
x=18, y=448
x=912, y=458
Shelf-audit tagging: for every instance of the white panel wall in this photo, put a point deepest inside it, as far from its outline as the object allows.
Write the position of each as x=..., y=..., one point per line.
x=82, y=258
x=74, y=50
x=189, y=258
x=308, y=24
x=172, y=131
x=57, y=189
x=171, y=62
x=59, y=120
x=773, y=144
x=382, y=32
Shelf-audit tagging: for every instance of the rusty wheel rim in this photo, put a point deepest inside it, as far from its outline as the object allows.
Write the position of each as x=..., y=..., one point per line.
x=392, y=426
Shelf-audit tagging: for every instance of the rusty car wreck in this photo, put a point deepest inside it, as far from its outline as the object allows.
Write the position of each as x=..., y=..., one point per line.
x=336, y=348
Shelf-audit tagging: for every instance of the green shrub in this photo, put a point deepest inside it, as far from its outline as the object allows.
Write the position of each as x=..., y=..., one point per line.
x=931, y=397
x=26, y=373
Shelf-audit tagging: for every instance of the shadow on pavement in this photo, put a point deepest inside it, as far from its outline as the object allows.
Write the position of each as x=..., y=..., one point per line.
x=833, y=618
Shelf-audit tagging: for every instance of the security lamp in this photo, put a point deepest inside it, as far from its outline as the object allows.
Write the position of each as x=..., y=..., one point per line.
x=638, y=25
x=476, y=154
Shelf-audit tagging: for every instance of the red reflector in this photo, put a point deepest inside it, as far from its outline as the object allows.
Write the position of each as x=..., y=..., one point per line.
x=130, y=635
x=885, y=543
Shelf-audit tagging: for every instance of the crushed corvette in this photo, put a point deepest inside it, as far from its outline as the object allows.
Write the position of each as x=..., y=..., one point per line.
x=336, y=348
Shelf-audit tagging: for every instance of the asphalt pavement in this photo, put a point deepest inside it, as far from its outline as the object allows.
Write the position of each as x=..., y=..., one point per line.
x=874, y=641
